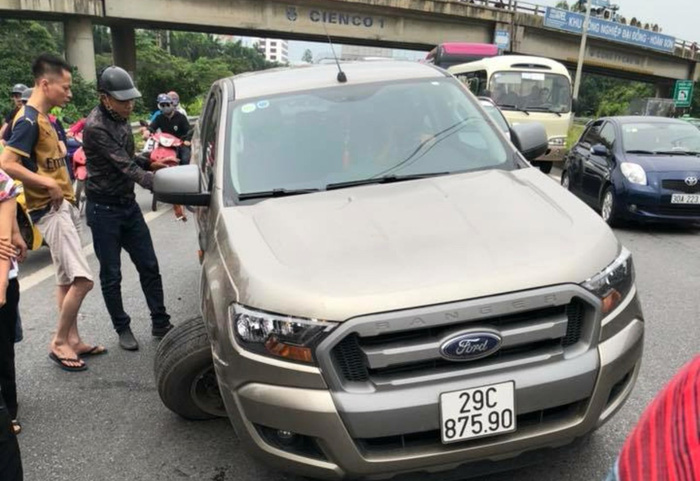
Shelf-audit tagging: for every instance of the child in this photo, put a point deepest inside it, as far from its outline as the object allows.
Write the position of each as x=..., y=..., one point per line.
x=9, y=294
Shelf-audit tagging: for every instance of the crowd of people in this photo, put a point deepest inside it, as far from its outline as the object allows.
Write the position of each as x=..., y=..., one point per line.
x=35, y=154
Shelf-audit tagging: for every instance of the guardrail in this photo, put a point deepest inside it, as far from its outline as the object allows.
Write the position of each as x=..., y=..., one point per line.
x=684, y=48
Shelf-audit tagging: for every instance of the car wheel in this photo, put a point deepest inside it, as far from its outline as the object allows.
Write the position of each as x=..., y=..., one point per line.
x=184, y=372
x=608, y=207
x=566, y=180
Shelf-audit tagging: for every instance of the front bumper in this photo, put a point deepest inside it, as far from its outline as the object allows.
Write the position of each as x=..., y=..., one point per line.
x=652, y=204
x=596, y=380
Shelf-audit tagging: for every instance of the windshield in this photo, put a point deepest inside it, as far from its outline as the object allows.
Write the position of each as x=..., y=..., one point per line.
x=496, y=115
x=311, y=139
x=531, y=91
x=660, y=137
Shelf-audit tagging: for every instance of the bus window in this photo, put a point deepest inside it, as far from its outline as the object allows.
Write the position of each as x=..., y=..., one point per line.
x=476, y=81
x=532, y=91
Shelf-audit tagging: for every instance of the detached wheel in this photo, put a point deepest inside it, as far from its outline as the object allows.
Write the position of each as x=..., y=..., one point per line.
x=184, y=372
x=608, y=207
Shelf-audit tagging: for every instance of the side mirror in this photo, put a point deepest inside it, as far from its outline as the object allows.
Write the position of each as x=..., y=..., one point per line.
x=600, y=150
x=143, y=123
x=180, y=185
x=530, y=139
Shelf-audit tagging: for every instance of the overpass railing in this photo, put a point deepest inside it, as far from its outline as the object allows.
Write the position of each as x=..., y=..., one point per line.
x=684, y=48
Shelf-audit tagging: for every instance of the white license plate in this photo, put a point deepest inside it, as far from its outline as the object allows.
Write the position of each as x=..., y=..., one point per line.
x=478, y=412
x=685, y=199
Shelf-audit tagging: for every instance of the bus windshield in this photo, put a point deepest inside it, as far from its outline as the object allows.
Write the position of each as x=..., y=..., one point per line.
x=531, y=91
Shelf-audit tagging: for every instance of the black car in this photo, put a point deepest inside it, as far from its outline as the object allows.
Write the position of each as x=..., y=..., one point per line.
x=637, y=168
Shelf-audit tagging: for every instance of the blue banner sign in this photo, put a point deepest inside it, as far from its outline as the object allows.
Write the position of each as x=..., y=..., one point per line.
x=617, y=32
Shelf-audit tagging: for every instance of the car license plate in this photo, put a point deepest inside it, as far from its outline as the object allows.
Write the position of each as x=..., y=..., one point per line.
x=685, y=199
x=478, y=412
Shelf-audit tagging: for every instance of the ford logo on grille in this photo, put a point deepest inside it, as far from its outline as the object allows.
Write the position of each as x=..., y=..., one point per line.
x=470, y=346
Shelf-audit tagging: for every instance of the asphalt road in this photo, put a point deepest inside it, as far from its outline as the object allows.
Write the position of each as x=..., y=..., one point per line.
x=108, y=423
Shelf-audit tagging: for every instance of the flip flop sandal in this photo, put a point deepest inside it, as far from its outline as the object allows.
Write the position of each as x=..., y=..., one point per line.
x=61, y=361
x=94, y=351
x=16, y=427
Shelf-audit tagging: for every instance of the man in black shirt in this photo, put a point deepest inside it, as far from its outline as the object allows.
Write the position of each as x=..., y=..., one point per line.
x=17, y=91
x=172, y=122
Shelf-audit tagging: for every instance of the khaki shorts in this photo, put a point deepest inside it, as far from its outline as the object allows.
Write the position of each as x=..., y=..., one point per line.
x=61, y=231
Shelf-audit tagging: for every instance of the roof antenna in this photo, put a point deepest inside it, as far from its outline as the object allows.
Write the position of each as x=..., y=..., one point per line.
x=342, y=78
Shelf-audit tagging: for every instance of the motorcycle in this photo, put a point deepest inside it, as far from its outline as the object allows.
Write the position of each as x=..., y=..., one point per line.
x=162, y=148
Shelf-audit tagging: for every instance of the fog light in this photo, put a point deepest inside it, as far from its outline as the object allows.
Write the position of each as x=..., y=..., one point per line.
x=632, y=208
x=286, y=437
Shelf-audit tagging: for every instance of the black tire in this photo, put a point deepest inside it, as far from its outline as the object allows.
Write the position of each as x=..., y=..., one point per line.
x=184, y=373
x=566, y=180
x=545, y=166
x=609, y=213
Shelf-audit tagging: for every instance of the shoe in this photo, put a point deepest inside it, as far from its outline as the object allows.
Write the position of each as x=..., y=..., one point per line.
x=160, y=332
x=63, y=363
x=127, y=341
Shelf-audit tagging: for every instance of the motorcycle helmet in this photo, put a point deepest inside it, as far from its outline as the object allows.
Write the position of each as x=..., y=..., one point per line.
x=165, y=104
x=18, y=89
x=117, y=83
x=26, y=94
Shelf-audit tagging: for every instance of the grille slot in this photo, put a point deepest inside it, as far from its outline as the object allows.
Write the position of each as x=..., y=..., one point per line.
x=680, y=186
x=350, y=356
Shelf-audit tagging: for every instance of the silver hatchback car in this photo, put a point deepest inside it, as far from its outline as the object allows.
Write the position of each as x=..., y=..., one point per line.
x=387, y=286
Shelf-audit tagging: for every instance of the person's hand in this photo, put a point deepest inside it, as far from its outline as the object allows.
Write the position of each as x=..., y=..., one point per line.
x=157, y=166
x=7, y=250
x=20, y=246
x=187, y=143
x=55, y=192
x=145, y=132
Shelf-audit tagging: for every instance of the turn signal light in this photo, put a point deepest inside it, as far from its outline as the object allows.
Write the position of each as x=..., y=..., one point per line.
x=294, y=353
x=611, y=301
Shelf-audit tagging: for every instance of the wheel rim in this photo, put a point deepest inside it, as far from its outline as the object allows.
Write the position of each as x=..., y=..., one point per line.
x=205, y=393
x=565, y=181
x=607, y=209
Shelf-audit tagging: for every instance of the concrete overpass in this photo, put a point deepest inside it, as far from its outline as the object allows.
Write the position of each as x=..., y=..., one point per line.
x=413, y=24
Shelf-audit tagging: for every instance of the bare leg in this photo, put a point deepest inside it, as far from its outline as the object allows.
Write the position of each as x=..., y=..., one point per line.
x=68, y=318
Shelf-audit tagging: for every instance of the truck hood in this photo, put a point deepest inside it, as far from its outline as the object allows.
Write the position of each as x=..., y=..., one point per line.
x=339, y=254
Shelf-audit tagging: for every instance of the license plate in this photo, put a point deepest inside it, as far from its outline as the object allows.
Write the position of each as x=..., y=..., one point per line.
x=685, y=199
x=478, y=412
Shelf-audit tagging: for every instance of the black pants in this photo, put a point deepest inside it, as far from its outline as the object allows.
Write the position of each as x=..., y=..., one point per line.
x=8, y=323
x=10, y=460
x=184, y=153
x=117, y=227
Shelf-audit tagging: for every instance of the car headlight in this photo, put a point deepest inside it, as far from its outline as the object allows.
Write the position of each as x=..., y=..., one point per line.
x=557, y=141
x=277, y=335
x=634, y=173
x=614, y=282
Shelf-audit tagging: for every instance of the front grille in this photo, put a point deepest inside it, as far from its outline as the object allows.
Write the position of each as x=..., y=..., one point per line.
x=419, y=441
x=680, y=186
x=351, y=359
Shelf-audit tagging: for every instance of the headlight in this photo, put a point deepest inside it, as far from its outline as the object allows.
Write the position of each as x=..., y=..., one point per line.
x=614, y=282
x=557, y=141
x=634, y=173
x=276, y=335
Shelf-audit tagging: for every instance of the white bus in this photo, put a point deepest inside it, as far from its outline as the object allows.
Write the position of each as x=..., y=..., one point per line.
x=527, y=89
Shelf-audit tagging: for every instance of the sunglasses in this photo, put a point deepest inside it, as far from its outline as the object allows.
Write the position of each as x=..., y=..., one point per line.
x=165, y=105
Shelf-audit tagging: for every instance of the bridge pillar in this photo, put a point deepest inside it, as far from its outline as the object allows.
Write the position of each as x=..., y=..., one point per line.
x=664, y=90
x=80, y=47
x=124, y=48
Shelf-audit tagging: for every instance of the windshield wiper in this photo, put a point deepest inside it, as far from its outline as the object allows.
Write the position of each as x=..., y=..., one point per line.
x=513, y=107
x=274, y=193
x=675, y=152
x=387, y=179
x=640, y=152
x=544, y=109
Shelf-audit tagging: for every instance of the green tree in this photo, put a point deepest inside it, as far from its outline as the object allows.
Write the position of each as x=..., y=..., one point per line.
x=562, y=4
x=308, y=56
x=618, y=99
